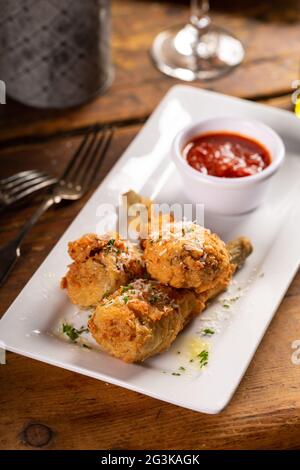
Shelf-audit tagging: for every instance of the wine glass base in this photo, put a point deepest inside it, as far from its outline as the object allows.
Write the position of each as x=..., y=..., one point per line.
x=181, y=52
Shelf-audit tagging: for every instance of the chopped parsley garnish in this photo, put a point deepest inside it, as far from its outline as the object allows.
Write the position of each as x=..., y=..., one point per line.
x=176, y=374
x=125, y=299
x=126, y=288
x=226, y=305
x=106, y=294
x=182, y=368
x=203, y=358
x=153, y=298
x=72, y=332
x=111, y=246
x=191, y=360
x=86, y=346
x=178, y=352
x=208, y=332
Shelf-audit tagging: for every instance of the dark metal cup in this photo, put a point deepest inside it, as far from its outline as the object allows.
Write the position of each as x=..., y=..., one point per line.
x=55, y=53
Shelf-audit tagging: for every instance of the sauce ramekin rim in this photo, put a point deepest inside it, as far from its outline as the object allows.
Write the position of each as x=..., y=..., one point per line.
x=275, y=164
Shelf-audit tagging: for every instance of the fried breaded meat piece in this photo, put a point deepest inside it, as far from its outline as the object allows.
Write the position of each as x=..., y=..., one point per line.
x=142, y=319
x=186, y=255
x=101, y=265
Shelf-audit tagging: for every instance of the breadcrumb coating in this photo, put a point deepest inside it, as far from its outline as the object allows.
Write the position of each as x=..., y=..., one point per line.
x=100, y=266
x=142, y=319
x=186, y=255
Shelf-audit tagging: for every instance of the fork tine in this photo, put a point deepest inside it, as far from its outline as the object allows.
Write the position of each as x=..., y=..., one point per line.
x=19, y=178
x=17, y=175
x=74, y=163
x=41, y=185
x=97, y=157
x=87, y=160
x=27, y=185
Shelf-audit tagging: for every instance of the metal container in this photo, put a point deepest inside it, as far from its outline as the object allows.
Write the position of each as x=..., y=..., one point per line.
x=55, y=53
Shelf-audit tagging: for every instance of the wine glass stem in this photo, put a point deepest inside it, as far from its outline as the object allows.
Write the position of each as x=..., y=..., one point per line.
x=199, y=14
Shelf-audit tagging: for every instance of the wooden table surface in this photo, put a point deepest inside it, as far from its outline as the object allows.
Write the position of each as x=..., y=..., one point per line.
x=46, y=407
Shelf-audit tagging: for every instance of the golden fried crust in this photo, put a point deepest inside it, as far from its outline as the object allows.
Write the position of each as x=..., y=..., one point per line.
x=80, y=250
x=194, y=258
x=100, y=266
x=142, y=319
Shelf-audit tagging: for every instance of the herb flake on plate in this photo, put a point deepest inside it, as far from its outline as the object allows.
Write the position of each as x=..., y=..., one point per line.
x=72, y=332
x=203, y=358
x=208, y=332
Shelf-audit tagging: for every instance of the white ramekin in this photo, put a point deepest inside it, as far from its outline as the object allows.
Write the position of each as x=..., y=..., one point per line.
x=228, y=195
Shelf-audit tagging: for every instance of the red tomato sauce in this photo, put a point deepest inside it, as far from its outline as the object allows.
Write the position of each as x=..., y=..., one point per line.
x=226, y=155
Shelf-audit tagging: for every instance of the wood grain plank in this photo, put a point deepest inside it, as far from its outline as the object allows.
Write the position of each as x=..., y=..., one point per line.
x=270, y=66
x=85, y=413
x=46, y=407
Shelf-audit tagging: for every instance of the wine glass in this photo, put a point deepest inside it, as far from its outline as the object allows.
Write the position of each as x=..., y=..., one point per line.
x=199, y=50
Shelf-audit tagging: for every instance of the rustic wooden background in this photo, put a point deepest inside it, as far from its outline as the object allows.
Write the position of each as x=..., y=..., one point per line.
x=46, y=407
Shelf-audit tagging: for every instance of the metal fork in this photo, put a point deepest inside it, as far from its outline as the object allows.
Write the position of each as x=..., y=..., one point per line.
x=72, y=185
x=22, y=185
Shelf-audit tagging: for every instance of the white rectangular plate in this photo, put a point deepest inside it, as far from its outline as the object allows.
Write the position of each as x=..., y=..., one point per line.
x=27, y=327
